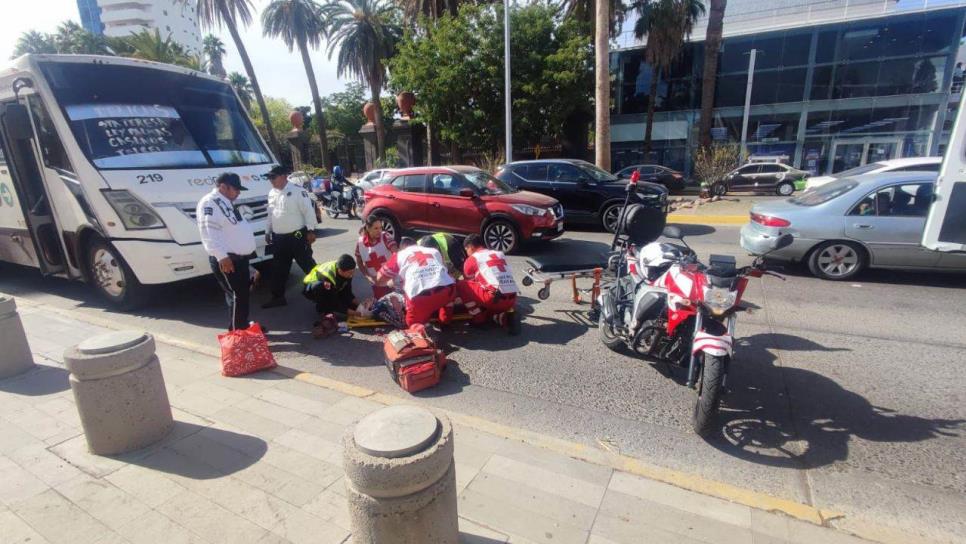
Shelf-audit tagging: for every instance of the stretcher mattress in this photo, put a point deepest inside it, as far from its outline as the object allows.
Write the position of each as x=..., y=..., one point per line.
x=550, y=266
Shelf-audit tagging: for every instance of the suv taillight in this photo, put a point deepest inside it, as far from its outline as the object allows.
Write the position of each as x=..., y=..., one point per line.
x=769, y=221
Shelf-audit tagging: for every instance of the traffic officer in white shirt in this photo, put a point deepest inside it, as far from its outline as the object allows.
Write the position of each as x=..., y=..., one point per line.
x=290, y=231
x=230, y=242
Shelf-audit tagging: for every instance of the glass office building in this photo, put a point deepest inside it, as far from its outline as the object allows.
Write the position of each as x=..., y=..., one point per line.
x=90, y=15
x=831, y=89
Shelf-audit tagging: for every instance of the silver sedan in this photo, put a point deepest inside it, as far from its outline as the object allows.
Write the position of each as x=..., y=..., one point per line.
x=841, y=228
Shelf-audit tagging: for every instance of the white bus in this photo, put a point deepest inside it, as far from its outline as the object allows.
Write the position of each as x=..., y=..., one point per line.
x=103, y=161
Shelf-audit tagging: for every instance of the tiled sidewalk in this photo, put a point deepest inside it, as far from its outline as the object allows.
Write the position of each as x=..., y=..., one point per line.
x=257, y=459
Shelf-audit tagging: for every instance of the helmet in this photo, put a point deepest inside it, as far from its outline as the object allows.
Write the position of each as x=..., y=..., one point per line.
x=656, y=254
x=337, y=171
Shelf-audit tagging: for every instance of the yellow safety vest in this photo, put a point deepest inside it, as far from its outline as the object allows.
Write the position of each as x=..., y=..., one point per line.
x=443, y=247
x=328, y=271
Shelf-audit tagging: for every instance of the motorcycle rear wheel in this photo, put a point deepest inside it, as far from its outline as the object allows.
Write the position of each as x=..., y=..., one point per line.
x=607, y=336
x=709, y=394
x=332, y=211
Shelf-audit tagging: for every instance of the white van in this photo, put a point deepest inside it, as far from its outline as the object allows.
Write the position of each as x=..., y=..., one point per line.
x=104, y=160
x=945, y=228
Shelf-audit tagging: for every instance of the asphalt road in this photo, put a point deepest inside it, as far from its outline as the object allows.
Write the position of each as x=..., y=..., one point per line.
x=846, y=396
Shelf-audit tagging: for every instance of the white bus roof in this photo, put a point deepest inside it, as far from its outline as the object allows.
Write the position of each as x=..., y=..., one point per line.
x=28, y=63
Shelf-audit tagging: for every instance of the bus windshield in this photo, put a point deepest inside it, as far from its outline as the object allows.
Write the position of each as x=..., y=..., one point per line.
x=127, y=117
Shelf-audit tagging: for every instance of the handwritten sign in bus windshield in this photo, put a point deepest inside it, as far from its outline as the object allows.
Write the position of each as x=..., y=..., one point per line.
x=115, y=132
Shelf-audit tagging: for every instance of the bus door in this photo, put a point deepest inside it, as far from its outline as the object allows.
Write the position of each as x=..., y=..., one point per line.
x=16, y=133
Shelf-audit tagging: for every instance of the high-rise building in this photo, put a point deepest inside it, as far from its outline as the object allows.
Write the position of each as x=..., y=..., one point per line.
x=836, y=84
x=175, y=18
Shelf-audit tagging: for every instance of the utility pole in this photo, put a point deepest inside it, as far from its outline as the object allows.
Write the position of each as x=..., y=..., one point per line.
x=506, y=77
x=752, y=55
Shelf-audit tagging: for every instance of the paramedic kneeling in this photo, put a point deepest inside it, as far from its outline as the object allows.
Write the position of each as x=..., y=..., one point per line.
x=329, y=286
x=426, y=284
x=489, y=291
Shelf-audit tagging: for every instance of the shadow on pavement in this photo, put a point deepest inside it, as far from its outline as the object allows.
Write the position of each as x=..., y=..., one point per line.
x=792, y=417
x=688, y=229
x=940, y=279
x=469, y=538
x=40, y=381
x=201, y=453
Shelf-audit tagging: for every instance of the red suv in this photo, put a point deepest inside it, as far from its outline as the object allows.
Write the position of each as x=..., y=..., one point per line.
x=463, y=200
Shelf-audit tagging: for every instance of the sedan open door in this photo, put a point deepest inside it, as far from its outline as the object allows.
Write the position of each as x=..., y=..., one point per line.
x=946, y=223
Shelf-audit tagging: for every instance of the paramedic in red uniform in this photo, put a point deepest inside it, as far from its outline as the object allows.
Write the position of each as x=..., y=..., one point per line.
x=422, y=275
x=373, y=249
x=489, y=291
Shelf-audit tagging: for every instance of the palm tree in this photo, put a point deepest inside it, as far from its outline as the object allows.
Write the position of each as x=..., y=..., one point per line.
x=365, y=32
x=148, y=45
x=299, y=24
x=67, y=36
x=34, y=42
x=214, y=49
x=215, y=13
x=585, y=11
x=712, y=44
x=667, y=25
x=431, y=9
x=242, y=87
x=602, y=84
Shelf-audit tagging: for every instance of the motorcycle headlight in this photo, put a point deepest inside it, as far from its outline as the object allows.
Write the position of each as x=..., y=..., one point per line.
x=135, y=215
x=719, y=300
x=526, y=209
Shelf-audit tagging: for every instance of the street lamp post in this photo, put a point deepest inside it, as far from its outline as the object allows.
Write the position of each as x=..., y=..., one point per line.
x=506, y=77
x=752, y=55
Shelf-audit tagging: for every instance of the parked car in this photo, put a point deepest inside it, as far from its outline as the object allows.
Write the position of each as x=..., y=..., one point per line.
x=653, y=173
x=587, y=193
x=760, y=177
x=909, y=164
x=850, y=224
x=372, y=178
x=463, y=200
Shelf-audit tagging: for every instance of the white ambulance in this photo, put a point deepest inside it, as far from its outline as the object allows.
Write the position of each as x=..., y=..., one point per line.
x=103, y=162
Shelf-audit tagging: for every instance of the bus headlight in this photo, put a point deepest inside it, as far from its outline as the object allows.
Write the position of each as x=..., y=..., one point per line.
x=135, y=215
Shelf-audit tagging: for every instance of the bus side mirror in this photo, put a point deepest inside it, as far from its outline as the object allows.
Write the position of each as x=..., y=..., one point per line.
x=16, y=121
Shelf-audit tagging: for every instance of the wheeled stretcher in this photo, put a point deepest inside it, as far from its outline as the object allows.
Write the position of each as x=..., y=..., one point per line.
x=545, y=273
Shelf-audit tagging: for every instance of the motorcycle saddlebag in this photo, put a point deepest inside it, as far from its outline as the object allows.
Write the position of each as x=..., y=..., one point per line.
x=412, y=359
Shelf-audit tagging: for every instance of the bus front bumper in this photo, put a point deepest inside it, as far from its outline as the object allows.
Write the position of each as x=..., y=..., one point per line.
x=161, y=262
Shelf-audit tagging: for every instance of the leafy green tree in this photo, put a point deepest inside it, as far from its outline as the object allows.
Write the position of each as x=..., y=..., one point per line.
x=34, y=42
x=243, y=87
x=666, y=24
x=299, y=24
x=214, y=49
x=279, y=110
x=365, y=34
x=231, y=13
x=455, y=68
x=148, y=45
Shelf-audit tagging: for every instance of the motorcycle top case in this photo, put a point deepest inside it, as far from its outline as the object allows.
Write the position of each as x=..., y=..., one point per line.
x=413, y=360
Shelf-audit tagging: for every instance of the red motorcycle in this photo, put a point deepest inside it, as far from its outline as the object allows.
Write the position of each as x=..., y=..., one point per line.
x=667, y=305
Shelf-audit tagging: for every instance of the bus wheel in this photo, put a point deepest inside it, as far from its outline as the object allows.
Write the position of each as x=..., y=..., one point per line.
x=112, y=277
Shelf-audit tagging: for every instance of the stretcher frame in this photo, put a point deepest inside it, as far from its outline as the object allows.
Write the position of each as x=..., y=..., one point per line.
x=600, y=276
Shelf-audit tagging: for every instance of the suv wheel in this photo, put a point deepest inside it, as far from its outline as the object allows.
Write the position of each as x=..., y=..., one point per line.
x=610, y=217
x=501, y=235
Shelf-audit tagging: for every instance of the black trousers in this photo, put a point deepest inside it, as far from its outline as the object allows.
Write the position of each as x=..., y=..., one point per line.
x=237, y=288
x=328, y=300
x=285, y=249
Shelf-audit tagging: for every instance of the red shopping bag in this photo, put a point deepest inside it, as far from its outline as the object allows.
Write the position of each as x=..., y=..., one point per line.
x=244, y=351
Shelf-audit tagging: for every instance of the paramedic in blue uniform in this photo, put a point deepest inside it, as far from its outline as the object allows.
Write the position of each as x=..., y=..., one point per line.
x=230, y=243
x=290, y=231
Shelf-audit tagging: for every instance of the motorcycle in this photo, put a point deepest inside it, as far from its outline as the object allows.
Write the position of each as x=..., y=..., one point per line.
x=349, y=201
x=667, y=305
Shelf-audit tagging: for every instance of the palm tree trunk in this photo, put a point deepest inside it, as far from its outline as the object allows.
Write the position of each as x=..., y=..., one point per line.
x=317, y=102
x=602, y=84
x=376, y=86
x=256, y=89
x=652, y=95
x=712, y=43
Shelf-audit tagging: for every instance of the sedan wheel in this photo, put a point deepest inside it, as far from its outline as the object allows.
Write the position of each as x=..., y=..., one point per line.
x=836, y=261
x=500, y=236
x=786, y=188
x=611, y=216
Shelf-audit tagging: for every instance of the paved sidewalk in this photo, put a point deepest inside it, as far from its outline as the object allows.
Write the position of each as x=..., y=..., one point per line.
x=257, y=459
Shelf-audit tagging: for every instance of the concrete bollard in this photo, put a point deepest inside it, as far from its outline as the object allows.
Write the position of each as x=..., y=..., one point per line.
x=119, y=390
x=15, y=357
x=400, y=478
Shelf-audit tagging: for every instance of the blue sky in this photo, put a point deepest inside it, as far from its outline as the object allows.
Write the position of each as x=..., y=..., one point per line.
x=280, y=72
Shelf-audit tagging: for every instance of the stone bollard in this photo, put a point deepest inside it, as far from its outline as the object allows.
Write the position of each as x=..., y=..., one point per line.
x=400, y=478
x=15, y=357
x=119, y=391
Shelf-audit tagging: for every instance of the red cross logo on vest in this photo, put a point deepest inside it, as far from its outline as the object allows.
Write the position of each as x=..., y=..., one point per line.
x=496, y=262
x=375, y=261
x=420, y=258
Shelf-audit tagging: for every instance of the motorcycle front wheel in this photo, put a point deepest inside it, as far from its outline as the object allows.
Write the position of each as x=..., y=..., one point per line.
x=607, y=336
x=709, y=394
x=332, y=211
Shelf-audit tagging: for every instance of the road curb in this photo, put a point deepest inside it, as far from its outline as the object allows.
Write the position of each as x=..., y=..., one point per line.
x=616, y=461
x=688, y=219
